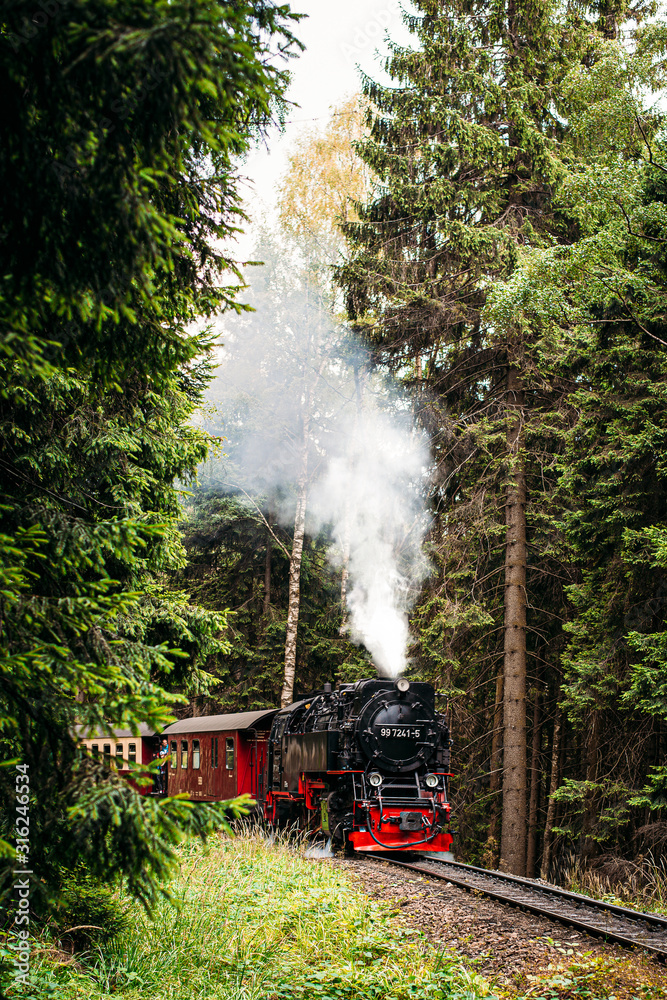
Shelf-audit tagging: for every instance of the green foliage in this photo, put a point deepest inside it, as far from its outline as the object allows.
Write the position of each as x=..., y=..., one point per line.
x=471, y=147
x=241, y=927
x=124, y=120
x=598, y=305
x=517, y=224
x=614, y=473
x=89, y=907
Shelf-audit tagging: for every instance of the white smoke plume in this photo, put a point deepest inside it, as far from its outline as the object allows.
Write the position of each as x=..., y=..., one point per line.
x=371, y=494
x=287, y=371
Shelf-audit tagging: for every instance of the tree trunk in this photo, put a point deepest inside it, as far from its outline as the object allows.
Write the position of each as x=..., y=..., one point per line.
x=267, y=570
x=659, y=743
x=592, y=737
x=553, y=787
x=513, y=842
x=345, y=571
x=495, y=769
x=609, y=14
x=287, y=696
x=535, y=781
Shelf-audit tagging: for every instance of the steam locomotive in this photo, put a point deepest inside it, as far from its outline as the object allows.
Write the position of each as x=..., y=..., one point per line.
x=366, y=764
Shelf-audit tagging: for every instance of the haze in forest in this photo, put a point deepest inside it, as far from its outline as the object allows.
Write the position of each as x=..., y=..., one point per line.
x=293, y=397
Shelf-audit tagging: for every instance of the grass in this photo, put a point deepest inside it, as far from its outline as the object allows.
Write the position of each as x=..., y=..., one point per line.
x=257, y=921
x=638, y=885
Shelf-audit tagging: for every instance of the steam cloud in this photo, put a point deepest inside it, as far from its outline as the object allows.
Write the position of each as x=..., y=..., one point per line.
x=284, y=367
x=370, y=493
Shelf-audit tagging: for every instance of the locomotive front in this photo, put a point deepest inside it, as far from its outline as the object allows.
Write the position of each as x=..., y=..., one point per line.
x=368, y=764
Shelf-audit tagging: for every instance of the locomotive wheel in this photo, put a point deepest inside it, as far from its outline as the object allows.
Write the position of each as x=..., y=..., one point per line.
x=338, y=808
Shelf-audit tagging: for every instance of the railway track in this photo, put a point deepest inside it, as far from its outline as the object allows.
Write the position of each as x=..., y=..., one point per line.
x=606, y=920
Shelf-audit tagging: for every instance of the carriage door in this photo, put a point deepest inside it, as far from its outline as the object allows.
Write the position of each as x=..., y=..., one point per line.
x=275, y=754
x=260, y=770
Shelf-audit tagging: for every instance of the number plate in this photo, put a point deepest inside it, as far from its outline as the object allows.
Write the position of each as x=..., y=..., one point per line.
x=398, y=732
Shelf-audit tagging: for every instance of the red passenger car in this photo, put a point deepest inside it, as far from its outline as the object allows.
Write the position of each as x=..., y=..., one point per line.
x=214, y=757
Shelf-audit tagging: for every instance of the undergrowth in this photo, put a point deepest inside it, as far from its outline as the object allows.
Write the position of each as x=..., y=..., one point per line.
x=256, y=921
x=638, y=885
x=593, y=977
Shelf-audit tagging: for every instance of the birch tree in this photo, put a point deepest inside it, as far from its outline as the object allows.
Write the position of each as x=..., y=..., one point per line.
x=280, y=380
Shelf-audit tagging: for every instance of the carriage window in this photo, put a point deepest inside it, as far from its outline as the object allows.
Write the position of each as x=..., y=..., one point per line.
x=119, y=754
x=132, y=753
x=96, y=750
x=229, y=754
x=195, y=755
x=214, y=752
x=107, y=752
x=174, y=755
x=184, y=755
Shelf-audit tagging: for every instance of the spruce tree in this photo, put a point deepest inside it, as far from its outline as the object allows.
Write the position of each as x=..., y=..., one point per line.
x=599, y=304
x=123, y=121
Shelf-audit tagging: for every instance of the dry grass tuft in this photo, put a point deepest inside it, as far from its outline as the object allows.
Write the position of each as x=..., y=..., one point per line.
x=639, y=884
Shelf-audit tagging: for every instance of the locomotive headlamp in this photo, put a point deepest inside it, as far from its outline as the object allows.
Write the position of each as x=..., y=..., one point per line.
x=403, y=685
x=431, y=780
x=375, y=779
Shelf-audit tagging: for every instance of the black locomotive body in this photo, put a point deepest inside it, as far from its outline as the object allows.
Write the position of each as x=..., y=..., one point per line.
x=367, y=764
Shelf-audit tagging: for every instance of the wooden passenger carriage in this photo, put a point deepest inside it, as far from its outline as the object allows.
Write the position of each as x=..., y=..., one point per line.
x=213, y=757
x=122, y=745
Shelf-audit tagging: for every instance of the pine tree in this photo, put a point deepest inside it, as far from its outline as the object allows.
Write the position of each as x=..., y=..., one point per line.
x=600, y=305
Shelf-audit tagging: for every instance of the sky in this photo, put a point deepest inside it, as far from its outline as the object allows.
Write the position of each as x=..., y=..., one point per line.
x=338, y=37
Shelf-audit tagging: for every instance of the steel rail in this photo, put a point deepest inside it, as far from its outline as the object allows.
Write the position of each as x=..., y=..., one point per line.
x=641, y=926
x=655, y=919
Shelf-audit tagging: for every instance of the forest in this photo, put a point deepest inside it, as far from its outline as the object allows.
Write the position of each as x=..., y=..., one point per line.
x=424, y=431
